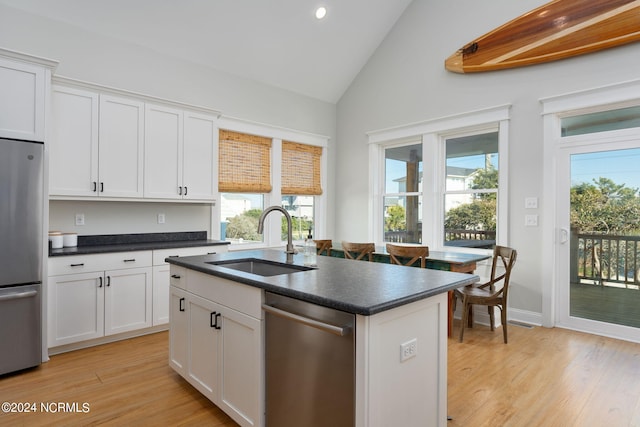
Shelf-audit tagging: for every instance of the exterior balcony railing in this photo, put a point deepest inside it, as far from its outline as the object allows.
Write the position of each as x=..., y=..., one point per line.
x=605, y=259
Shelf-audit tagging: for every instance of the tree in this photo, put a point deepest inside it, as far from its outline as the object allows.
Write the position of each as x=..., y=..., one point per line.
x=395, y=219
x=245, y=226
x=605, y=207
x=480, y=214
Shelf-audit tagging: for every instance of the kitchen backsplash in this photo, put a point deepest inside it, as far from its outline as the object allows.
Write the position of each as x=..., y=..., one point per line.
x=110, y=217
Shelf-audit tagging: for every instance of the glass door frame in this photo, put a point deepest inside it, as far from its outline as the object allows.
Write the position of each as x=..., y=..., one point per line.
x=557, y=152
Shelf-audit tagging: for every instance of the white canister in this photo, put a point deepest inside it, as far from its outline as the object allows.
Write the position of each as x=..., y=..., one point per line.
x=55, y=237
x=69, y=240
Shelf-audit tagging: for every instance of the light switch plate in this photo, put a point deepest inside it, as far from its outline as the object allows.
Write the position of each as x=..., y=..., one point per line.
x=531, y=220
x=531, y=203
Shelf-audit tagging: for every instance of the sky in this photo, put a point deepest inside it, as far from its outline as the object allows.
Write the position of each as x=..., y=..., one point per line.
x=621, y=166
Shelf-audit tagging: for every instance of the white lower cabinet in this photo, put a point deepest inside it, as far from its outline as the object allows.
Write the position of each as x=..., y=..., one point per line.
x=96, y=301
x=216, y=348
x=161, y=277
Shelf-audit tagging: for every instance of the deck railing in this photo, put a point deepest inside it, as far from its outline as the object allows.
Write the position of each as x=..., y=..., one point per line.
x=485, y=237
x=600, y=258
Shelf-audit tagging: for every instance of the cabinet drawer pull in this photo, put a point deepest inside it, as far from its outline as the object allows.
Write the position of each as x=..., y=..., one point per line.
x=100, y=280
x=181, y=304
x=211, y=253
x=130, y=260
x=77, y=265
x=175, y=276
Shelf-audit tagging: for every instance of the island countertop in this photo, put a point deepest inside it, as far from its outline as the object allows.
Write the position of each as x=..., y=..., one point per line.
x=357, y=287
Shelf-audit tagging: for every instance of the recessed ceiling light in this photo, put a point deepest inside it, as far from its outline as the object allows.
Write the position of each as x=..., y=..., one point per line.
x=321, y=12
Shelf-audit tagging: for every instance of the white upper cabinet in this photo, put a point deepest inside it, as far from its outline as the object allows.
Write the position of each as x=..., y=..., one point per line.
x=97, y=144
x=179, y=154
x=109, y=145
x=199, y=176
x=23, y=88
x=121, y=147
x=73, y=150
x=163, y=152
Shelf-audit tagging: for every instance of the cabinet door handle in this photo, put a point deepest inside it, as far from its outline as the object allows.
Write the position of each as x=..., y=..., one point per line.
x=181, y=304
x=180, y=191
x=129, y=260
x=186, y=190
x=100, y=280
x=175, y=276
x=213, y=320
x=102, y=187
x=77, y=265
x=108, y=280
x=95, y=186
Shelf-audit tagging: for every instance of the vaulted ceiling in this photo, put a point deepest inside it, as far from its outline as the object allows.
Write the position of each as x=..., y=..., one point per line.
x=277, y=42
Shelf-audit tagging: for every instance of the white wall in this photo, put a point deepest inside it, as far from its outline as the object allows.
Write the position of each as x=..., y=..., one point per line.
x=128, y=217
x=406, y=82
x=96, y=59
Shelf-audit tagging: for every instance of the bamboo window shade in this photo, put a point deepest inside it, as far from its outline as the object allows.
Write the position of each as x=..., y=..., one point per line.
x=301, y=169
x=244, y=163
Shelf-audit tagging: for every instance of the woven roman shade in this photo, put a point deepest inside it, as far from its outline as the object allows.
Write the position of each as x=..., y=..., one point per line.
x=244, y=163
x=301, y=169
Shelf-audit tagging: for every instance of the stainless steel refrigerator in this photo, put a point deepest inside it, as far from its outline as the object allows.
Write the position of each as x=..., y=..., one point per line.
x=21, y=238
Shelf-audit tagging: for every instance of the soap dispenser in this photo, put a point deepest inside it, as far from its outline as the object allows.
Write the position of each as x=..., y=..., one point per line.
x=310, y=251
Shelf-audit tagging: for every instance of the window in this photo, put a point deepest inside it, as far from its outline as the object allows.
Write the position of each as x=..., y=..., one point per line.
x=471, y=190
x=244, y=176
x=402, y=199
x=439, y=183
x=602, y=121
x=259, y=171
x=300, y=183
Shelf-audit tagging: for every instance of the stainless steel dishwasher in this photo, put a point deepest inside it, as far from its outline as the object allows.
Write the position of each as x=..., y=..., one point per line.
x=310, y=364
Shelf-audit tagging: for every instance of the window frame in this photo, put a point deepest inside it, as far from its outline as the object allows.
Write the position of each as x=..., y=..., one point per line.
x=272, y=234
x=433, y=134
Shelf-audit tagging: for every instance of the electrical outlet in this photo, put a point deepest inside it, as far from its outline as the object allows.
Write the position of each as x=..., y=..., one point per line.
x=161, y=218
x=408, y=349
x=79, y=219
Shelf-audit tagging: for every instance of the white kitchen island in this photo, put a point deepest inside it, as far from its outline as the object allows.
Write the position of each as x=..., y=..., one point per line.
x=217, y=332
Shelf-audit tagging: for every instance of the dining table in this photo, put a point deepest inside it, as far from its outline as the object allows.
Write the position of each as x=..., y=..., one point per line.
x=459, y=262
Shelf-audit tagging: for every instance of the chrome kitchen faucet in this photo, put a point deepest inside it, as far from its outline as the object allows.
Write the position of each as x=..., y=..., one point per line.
x=290, y=251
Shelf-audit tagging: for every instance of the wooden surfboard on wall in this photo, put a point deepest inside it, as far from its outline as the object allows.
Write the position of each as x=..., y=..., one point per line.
x=556, y=30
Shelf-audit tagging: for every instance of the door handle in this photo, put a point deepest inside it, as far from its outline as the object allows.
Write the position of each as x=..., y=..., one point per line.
x=332, y=329
x=18, y=295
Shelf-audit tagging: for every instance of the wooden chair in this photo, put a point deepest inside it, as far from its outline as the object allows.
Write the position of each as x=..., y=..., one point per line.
x=409, y=254
x=358, y=251
x=323, y=246
x=487, y=293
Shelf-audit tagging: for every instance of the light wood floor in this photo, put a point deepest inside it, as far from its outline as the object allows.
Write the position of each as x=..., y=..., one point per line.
x=543, y=377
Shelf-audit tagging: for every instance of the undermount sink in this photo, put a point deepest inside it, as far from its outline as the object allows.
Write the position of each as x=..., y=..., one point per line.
x=260, y=267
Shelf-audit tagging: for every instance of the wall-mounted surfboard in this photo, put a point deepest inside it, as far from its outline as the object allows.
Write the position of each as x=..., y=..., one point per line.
x=556, y=30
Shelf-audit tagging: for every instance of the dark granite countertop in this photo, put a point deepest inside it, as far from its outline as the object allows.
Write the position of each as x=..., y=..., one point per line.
x=105, y=243
x=358, y=287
